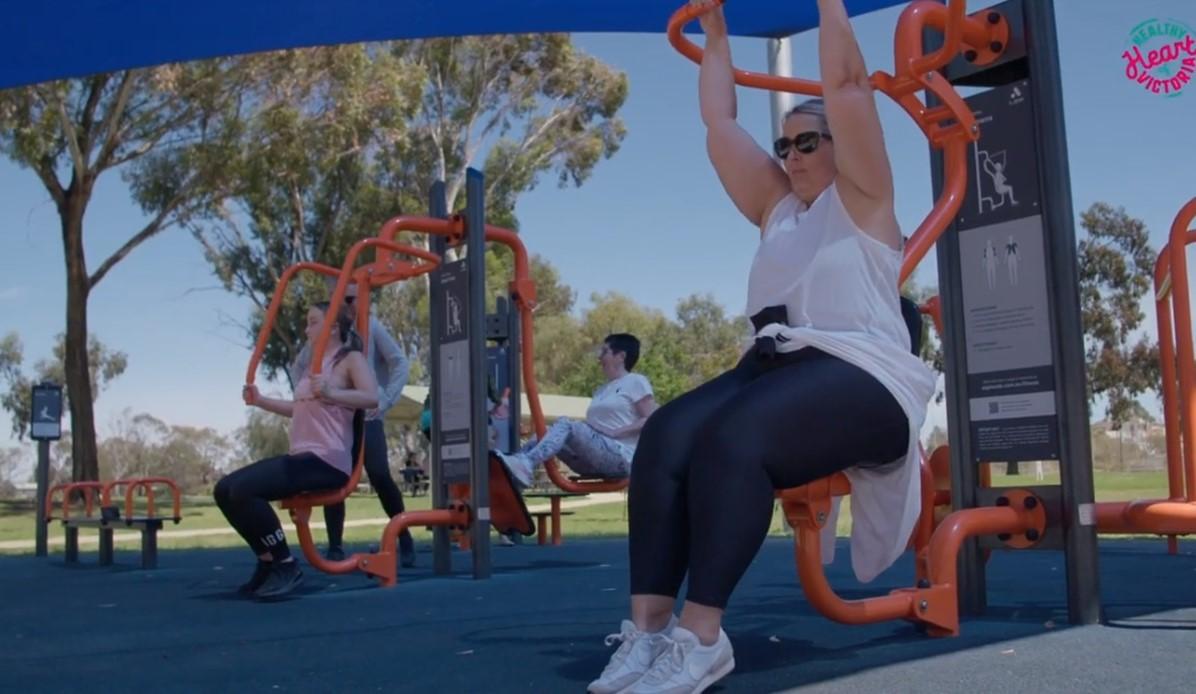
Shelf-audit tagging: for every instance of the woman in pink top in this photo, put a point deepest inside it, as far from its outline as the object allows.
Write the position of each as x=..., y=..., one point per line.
x=320, y=455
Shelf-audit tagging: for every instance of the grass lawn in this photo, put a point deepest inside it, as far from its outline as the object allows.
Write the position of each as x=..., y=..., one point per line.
x=602, y=520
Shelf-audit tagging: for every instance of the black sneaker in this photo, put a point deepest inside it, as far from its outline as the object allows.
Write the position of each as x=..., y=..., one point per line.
x=260, y=573
x=334, y=554
x=284, y=578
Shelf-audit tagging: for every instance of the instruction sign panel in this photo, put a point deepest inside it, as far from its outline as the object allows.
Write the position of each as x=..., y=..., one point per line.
x=46, y=418
x=453, y=396
x=1011, y=381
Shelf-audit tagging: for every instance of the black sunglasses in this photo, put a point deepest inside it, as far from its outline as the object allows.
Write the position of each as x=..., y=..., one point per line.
x=805, y=143
x=349, y=299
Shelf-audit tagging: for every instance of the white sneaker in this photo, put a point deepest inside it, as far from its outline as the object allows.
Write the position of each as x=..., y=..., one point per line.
x=633, y=658
x=687, y=667
x=520, y=467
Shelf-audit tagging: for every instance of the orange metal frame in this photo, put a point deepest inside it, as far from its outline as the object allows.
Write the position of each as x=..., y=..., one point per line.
x=90, y=490
x=1175, y=515
x=147, y=484
x=67, y=490
x=385, y=269
x=949, y=127
x=523, y=292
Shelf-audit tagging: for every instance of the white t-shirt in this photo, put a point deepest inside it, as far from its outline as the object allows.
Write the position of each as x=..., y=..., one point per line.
x=613, y=405
x=839, y=286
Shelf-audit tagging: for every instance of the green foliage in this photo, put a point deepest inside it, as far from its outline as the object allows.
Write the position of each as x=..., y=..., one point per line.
x=343, y=138
x=676, y=356
x=264, y=435
x=170, y=132
x=1116, y=269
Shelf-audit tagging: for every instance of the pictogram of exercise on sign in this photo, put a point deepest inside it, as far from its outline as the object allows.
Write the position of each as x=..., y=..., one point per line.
x=994, y=165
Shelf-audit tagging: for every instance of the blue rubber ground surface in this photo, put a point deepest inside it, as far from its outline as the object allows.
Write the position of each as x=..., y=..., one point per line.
x=538, y=623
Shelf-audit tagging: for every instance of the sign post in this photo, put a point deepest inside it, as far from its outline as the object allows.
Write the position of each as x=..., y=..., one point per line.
x=1013, y=337
x=45, y=425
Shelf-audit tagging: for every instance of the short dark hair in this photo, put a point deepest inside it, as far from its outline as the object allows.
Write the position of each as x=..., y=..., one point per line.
x=628, y=345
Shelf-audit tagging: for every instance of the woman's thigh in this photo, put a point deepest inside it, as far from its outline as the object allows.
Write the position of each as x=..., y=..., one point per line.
x=808, y=416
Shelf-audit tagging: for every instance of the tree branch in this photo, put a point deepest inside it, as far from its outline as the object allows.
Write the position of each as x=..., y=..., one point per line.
x=89, y=110
x=112, y=119
x=298, y=233
x=72, y=139
x=45, y=171
x=155, y=225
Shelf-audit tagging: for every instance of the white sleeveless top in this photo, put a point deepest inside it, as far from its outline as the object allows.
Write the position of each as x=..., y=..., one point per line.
x=840, y=288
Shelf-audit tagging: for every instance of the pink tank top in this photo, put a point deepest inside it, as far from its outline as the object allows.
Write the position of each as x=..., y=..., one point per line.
x=321, y=427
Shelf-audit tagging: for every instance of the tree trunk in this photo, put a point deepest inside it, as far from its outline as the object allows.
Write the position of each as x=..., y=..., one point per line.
x=85, y=464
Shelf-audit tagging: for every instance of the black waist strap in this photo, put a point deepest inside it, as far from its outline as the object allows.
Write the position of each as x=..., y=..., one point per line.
x=766, y=346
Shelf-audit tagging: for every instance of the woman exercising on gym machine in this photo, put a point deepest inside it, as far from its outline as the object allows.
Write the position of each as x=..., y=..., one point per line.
x=830, y=385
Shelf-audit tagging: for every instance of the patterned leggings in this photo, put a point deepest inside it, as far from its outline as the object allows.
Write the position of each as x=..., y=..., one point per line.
x=582, y=448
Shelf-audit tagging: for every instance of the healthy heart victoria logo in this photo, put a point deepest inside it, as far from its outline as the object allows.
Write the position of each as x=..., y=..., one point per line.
x=1160, y=55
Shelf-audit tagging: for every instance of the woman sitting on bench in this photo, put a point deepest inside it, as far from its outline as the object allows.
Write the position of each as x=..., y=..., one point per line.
x=320, y=456
x=602, y=445
x=830, y=385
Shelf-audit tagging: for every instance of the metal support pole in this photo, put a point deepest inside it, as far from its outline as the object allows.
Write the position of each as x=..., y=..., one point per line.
x=780, y=63
x=107, y=546
x=149, y=544
x=514, y=372
x=43, y=485
x=479, y=478
x=1083, y=585
x=71, y=550
x=442, y=559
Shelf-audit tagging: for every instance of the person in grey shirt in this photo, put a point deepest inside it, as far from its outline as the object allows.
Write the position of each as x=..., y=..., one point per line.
x=390, y=369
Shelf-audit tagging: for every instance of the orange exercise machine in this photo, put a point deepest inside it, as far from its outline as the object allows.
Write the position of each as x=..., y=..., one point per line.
x=936, y=47
x=471, y=490
x=1175, y=515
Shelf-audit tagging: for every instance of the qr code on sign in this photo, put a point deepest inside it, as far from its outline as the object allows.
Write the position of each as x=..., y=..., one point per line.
x=994, y=407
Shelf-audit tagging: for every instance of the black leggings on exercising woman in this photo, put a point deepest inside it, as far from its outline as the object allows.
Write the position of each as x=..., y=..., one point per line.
x=244, y=496
x=707, y=463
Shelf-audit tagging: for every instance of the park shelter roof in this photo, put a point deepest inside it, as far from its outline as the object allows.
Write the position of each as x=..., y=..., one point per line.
x=42, y=40
x=411, y=404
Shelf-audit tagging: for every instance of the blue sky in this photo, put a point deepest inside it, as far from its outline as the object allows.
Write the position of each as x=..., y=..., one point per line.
x=654, y=216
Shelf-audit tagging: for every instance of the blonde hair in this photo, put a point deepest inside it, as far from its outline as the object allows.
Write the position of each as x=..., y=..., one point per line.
x=812, y=107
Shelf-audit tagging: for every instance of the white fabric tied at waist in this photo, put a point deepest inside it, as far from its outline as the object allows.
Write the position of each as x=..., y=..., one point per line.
x=877, y=538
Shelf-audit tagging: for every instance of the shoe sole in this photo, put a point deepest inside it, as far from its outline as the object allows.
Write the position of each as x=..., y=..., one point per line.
x=715, y=676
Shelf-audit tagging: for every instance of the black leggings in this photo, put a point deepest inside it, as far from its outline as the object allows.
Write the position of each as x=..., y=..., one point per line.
x=707, y=463
x=244, y=496
x=377, y=467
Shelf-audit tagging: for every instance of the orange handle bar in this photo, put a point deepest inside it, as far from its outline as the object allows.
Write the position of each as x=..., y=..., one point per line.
x=760, y=80
x=263, y=336
x=981, y=35
x=347, y=270
x=950, y=126
x=382, y=271
x=67, y=489
x=147, y=483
